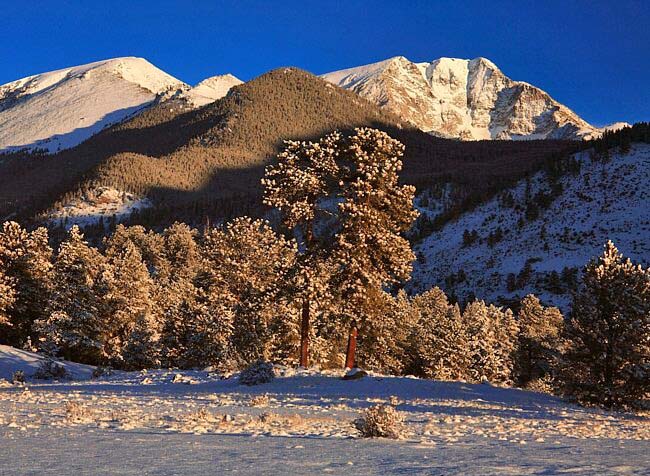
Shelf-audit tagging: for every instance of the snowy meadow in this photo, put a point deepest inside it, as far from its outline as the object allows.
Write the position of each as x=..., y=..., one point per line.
x=302, y=422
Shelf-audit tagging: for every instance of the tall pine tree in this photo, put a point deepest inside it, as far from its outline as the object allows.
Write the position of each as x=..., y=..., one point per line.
x=25, y=261
x=438, y=343
x=340, y=197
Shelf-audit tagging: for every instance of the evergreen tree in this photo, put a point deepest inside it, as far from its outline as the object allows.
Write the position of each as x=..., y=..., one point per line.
x=383, y=343
x=131, y=329
x=176, y=296
x=150, y=245
x=438, y=343
x=25, y=261
x=341, y=199
x=492, y=334
x=72, y=327
x=207, y=334
x=244, y=276
x=538, y=340
x=7, y=299
x=608, y=360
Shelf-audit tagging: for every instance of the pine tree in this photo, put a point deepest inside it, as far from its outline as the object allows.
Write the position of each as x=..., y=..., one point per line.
x=25, y=260
x=131, y=329
x=244, y=274
x=608, y=360
x=438, y=343
x=176, y=295
x=179, y=305
x=341, y=198
x=207, y=336
x=492, y=334
x=7, y=299
x=383, y=343
x=538, y=342
x=72, y=327
x=150, y=245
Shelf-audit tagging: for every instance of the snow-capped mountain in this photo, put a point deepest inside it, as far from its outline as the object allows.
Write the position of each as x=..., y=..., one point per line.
x=60, y=109
x=465, y=99
x=211, y=89
x=615, y=126
x=607, y=199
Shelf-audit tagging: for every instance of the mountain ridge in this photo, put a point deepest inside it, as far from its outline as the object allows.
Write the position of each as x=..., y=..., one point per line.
x=463, y=99
x=57, y=110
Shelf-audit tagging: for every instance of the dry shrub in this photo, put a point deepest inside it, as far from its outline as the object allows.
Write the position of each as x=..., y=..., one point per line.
x=269, y=417
x=544, y=384
x=204, y=416
x=259, y=401
x=77, y=412
x=276, y=419
x=18, y=378
x=381, y=421
x=102, y=372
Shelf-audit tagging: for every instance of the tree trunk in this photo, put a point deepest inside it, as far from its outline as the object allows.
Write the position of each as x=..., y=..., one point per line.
x=304, y=335
x=352, y=346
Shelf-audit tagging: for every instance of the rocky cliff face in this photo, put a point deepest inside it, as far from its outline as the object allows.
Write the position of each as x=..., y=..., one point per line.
x=464, y=99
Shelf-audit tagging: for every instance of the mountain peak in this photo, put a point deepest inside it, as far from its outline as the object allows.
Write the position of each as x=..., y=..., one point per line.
x=211, y=89
x=462, y=98
x=481, y=61
x=59, y=109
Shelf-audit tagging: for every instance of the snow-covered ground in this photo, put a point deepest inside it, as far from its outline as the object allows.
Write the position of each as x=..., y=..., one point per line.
x=101, y=203
x=195, y=422
x=605, y=201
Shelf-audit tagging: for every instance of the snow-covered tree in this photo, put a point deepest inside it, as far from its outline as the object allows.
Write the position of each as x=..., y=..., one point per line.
x=383, y=342
x=73, y=327
x=244, y=273
x=7, y=298
x=150, y=245
x=25, y=261
x=341, y=199
x=206, y=336
x=131, y=329
x=538, y=342
x=438, y=343
x=492, y=336
x=608, y=359
x=176, y=296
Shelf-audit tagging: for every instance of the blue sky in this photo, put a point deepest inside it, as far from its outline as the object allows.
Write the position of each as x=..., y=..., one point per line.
x=594, y=56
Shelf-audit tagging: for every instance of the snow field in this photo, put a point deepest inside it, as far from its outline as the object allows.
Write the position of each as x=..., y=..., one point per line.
x=198, y=422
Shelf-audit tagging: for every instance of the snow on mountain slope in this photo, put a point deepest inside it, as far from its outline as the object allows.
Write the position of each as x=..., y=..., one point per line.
x=606, y=200
x=211, y=89
x=60, y=109
x=102, y=203
x=615, y=126
x=465, y=99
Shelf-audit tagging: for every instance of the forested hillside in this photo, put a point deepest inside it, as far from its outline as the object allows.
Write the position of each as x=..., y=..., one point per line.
x=206, y=163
